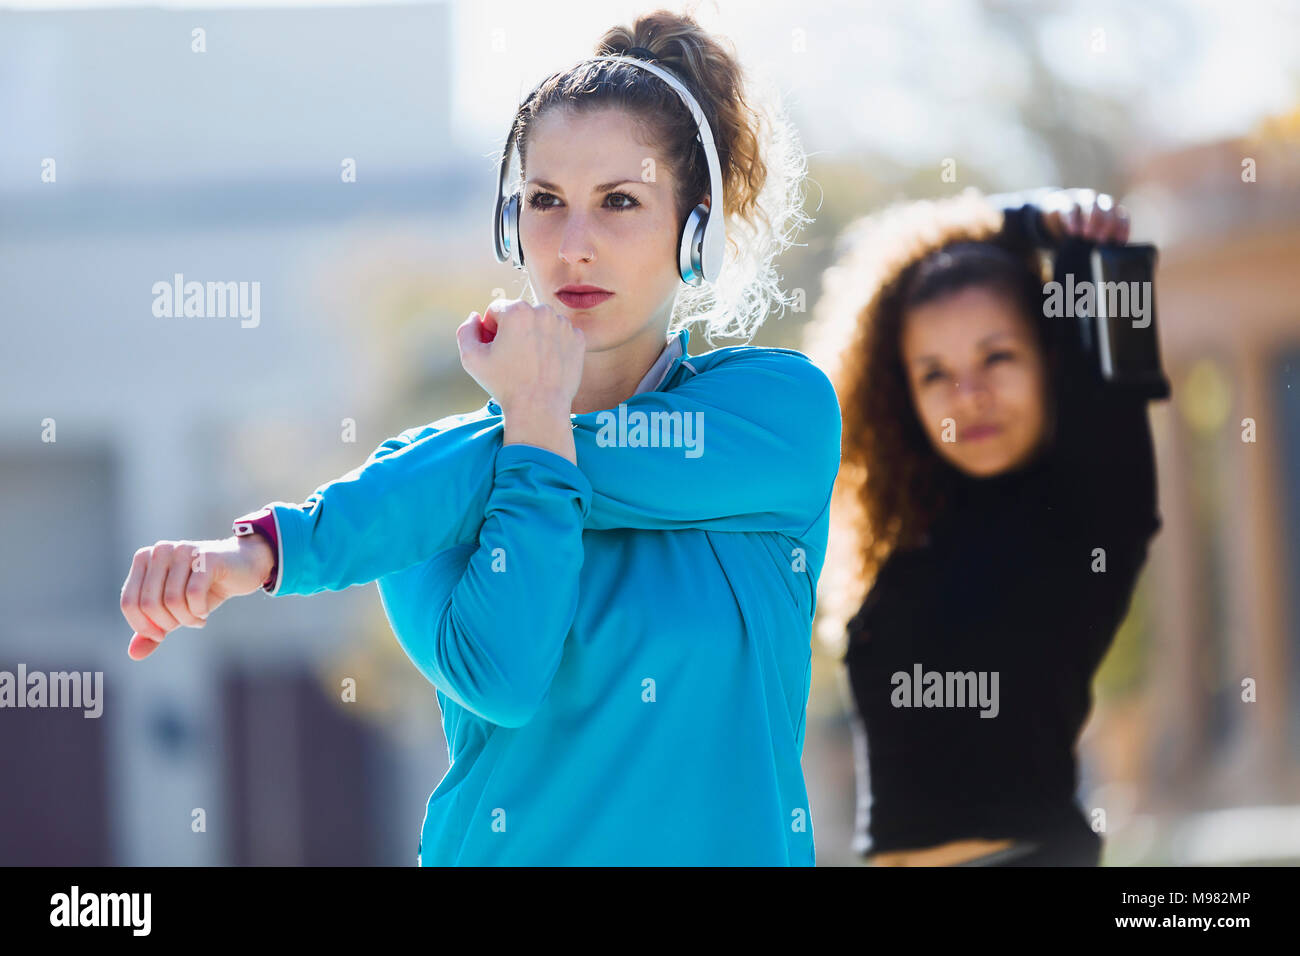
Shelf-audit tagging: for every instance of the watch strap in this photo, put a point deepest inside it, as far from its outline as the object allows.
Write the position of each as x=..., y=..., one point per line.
x=262, y=522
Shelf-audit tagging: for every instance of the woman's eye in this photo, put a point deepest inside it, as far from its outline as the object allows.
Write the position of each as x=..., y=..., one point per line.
x=931, y=376
x=621, y=201
x=998, y=356
x=631, y=202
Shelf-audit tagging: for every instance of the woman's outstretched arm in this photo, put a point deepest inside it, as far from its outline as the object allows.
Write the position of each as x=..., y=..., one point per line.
x=414, y=497
x=417, y=494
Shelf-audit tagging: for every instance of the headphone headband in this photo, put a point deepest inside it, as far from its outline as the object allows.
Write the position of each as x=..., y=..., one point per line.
x=703, y=240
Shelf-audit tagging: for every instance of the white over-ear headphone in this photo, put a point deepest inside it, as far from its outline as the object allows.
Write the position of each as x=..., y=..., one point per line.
x=703, y=240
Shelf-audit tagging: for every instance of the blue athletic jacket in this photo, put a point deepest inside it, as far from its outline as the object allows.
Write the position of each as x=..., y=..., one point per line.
x=621, y=648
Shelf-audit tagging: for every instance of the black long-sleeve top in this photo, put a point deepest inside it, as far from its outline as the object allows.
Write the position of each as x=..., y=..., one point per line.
x=1008, y=581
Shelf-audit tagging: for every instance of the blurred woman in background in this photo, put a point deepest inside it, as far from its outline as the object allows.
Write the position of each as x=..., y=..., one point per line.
x=993, y=511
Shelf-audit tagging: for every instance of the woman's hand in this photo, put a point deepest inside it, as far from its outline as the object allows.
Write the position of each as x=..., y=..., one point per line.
x=1084, y=213
x=523, y=355
x=180, y=583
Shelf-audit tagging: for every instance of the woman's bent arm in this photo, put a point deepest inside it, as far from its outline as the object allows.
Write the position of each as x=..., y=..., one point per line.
x=486, y=624
x=763, y=450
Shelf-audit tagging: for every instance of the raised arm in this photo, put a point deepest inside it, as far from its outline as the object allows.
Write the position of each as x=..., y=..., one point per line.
x=1105, y=463
x=486, y=622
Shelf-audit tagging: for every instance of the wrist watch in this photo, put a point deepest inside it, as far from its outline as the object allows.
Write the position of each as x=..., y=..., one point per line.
x=261, y=522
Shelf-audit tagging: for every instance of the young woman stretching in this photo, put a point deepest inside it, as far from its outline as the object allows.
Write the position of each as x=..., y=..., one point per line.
x=608, y=571
x=998, y=501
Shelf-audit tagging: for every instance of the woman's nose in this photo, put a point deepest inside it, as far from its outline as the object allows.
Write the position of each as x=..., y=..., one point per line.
x=973, y=386
x=575, y=244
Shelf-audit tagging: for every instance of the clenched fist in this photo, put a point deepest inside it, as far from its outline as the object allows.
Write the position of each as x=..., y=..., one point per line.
x=523, y=355
x=179, y=583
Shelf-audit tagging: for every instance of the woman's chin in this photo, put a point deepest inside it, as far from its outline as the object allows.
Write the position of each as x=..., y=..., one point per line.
x=987, y=465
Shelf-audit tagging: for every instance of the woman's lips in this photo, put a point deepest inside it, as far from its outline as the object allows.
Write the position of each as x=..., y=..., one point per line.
x=582, y=300
x=980, y=431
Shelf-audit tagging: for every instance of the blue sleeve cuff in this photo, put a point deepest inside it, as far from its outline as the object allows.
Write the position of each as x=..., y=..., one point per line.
x=288, y=525
x=565, y=471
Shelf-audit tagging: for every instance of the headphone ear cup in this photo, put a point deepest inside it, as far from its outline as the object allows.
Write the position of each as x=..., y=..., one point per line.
x=510, y=230
x=689, y=253
x=498, y=230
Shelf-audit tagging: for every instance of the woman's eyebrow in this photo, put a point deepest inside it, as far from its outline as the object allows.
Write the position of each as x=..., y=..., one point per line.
x=595, y=189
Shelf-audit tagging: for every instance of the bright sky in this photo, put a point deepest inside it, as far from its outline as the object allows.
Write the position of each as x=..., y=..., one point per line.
x=1227, y=63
